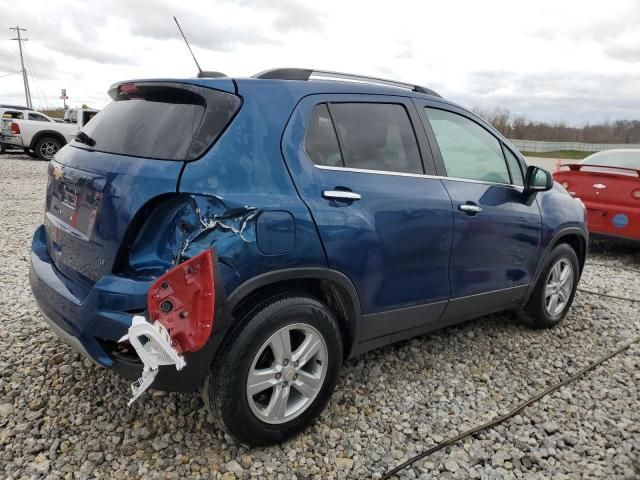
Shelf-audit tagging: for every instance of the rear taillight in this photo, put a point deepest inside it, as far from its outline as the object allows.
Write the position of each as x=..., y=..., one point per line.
x=636, y=194
x=183, y=300
x=130, y=90
x=15, y=128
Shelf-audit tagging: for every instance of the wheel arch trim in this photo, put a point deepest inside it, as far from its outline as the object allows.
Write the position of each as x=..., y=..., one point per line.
x=47, y=133
x=312, y=273
x=555, y=239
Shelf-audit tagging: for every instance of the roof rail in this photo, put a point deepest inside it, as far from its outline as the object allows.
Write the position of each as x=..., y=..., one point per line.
x=306, y=74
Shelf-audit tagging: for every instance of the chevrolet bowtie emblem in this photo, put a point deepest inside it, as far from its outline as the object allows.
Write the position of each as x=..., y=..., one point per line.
x=58, y=173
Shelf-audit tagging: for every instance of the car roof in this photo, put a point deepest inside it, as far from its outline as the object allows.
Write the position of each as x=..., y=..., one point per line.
x=14, y=107
x=298, y=88
x=301, y=88
x=307, y=74
x=308, y=87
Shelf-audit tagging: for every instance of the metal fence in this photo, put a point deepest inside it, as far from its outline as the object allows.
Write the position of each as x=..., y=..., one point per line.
x=536, y=146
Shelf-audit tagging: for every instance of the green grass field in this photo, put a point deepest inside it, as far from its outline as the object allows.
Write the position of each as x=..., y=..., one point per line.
x=568, y=154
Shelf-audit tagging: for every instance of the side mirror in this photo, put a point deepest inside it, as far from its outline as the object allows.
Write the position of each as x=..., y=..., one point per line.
x=537, y=180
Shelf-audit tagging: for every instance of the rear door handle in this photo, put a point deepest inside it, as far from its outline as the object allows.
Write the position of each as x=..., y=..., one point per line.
x=341, y=195
x=468, y=208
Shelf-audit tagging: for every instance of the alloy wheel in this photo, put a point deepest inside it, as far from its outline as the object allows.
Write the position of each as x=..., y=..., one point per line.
x=287, y=373
x=48, y=149
x=558, y=287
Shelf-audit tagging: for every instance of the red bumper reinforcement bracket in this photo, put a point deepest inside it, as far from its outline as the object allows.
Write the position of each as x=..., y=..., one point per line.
x=181, y=315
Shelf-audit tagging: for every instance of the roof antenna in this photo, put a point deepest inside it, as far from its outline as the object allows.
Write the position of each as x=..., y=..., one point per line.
x=201, y=73
x=188, y=46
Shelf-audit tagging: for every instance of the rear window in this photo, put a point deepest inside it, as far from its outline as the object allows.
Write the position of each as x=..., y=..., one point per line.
x=14, y=115
x=163, y=121
x=615, y=158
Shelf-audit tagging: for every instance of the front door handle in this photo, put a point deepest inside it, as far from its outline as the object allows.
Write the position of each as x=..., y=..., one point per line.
x=469, y=209
x=344, y=195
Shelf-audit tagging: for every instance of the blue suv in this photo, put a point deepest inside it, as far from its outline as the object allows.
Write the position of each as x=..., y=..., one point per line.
x=247, y=236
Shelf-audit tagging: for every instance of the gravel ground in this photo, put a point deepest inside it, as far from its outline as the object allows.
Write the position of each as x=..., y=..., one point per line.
x=62, y=417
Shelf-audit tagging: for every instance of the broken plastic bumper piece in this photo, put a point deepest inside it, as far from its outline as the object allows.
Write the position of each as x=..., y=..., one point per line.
x=181, y=315
x=154, y=347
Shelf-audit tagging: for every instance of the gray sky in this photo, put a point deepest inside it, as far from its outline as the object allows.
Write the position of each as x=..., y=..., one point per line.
x=552, y=60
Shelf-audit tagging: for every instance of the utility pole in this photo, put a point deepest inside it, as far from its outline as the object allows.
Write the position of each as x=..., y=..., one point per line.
x=27, y=91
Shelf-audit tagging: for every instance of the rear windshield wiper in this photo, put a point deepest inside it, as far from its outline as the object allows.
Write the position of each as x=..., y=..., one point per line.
x=86, y=139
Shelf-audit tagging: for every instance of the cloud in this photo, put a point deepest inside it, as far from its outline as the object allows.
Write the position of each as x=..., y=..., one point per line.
x=625, y=53
x=42, y=67
x=607, y=25
x=583, y=59
x=74, y=39
x=8, y=61
x=487, y=82
x=560, y=96
x=289, y=14
x=295, y=16
x=154, y=20
x=85, y=51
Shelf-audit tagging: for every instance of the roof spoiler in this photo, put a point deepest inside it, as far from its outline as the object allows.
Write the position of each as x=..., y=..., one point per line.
x=211, y=74
x=576, y=167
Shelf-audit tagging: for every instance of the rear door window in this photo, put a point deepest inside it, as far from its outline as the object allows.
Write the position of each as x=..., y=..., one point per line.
x=164, y=121
x=376, y=136
x=468, y=150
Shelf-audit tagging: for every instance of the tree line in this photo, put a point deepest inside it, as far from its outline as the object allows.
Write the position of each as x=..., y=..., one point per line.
x=521, y=128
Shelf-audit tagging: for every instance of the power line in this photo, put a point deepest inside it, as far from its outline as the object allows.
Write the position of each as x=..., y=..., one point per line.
x=31, y=72
x=12, y=73
x=27, y=92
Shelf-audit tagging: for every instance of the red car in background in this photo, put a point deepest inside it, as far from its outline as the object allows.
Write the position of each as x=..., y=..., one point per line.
x=608, y=183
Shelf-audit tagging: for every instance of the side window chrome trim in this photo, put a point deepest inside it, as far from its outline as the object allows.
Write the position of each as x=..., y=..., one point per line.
x=418, y=175
x=378, y=172
x=481, y=182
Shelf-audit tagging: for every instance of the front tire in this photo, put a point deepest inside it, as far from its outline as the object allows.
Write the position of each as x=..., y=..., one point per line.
x=47, y=147
x=555, y=290
x=277, y=373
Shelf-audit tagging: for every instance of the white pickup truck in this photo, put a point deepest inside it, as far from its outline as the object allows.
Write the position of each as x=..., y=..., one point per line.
x=39, y=135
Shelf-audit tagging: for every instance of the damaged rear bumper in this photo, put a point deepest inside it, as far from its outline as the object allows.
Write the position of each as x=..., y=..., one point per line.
x=91, y=319
x=15, y=140
x=70, y=340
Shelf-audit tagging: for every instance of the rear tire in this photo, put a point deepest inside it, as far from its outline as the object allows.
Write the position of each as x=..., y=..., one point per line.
x=47, y=147
x=556, y=288
x=287, y=354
